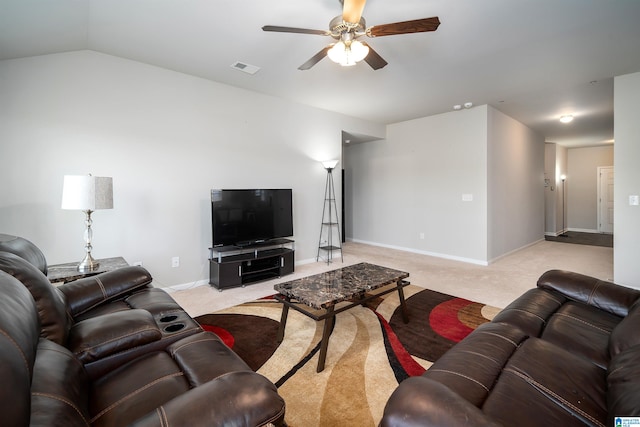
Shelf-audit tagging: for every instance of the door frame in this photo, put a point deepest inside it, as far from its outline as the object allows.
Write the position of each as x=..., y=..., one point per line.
x=601, y=228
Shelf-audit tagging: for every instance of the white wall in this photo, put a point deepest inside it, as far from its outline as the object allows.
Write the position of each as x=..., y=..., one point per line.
x=582, y=186
x=515, y=185
x=413, y=182
x=626, y=228
x=166, y=139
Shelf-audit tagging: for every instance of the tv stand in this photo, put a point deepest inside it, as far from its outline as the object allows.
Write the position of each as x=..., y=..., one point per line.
x=233, y=266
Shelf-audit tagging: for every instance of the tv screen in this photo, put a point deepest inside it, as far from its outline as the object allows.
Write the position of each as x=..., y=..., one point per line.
x=245, y=217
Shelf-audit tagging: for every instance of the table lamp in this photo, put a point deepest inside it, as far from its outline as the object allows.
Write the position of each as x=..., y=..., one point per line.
x=87, y=193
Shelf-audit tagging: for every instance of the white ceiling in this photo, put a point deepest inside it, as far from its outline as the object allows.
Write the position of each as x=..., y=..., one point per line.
x=534, y=60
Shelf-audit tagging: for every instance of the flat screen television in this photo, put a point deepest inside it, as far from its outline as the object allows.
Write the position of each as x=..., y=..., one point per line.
x=246, y=217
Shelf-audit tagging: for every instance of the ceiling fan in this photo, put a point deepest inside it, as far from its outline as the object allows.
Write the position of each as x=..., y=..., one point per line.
x=348, y=28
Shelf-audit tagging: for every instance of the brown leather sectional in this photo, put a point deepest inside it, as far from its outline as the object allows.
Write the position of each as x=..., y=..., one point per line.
x=112, y=350
x=566, y=353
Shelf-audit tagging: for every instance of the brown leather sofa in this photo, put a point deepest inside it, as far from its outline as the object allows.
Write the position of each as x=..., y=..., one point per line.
x=112, y=350
x=566, y=353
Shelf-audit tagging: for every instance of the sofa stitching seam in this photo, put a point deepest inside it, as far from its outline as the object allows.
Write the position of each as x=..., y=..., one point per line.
x=136, y=332
x=63, y=400
x=133, y=393
x=459, y=375
x=555, y=395
x=577, y=319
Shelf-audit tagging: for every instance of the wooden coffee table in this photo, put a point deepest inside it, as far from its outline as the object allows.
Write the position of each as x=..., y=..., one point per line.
x=317, y=296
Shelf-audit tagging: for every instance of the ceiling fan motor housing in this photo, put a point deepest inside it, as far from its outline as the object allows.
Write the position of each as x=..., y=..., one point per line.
x=339, y=28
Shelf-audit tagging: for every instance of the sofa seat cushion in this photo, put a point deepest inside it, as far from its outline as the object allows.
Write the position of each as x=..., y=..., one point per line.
x=241, y=398
x=472, y=367
x=106, y=335
x=139, y=387
x=583, y=330
x=59, y=390
x=543, y=384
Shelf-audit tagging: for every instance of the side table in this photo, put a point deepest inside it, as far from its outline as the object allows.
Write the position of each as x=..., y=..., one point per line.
x=69, y=272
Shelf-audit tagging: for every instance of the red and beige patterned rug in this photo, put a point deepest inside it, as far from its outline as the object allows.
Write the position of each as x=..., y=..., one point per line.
x=370, y=351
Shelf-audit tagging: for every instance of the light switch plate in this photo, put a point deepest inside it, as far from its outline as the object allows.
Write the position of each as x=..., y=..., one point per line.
x=634, y=200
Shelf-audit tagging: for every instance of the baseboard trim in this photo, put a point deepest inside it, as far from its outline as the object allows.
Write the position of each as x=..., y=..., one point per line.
x=514, y=251
x=417, y=251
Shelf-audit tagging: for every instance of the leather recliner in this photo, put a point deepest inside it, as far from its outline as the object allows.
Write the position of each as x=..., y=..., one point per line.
x=565, y=353
x=105, y=319
x=103, y=351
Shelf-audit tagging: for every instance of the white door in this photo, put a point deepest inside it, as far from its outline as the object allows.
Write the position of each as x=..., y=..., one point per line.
x=605, y=199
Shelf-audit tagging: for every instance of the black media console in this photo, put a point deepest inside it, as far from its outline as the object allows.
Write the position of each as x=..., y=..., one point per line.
x=232, y=266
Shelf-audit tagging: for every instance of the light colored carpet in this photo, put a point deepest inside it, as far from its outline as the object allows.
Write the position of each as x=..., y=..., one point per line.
x=497, y=284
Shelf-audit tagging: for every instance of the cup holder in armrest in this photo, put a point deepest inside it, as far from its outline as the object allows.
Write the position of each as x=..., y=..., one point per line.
x=175, y=327
x=168, y=318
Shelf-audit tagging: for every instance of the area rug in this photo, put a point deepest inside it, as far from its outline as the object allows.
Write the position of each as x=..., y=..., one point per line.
x=371, y=350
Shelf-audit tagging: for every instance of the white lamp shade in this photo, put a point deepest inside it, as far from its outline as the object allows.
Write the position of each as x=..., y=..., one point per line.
x=329, y=164
x=87, y=193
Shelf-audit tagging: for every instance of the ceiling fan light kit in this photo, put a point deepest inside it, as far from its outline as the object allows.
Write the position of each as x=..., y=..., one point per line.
x=347, y=28
x=348, y=54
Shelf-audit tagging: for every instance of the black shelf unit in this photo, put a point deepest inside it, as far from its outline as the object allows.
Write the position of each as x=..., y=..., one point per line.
x=232, y=266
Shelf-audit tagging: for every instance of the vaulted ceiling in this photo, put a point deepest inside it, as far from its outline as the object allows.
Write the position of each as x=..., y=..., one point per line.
x=534, y=60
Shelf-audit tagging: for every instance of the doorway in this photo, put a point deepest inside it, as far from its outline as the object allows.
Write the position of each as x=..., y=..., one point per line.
x=605, y=199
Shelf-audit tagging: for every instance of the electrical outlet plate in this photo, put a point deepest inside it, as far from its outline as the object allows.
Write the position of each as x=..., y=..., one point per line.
x=175, y=261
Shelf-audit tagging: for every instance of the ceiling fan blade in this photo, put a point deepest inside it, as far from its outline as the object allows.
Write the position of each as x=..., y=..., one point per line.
x=405, y=27
x=294, y=30
x=315, y=59
x=352, y=10
x=373, y=59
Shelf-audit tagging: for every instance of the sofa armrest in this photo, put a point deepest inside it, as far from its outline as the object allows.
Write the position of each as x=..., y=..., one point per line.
x=601, y=294
x=105, y=335
x=421, y=402
x=237, y=398
x=89, y=292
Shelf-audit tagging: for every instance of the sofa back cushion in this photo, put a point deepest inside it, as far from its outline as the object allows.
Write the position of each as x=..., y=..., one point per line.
x=623, y=384
x=19, y=331
x=51, y=303
x=24, y=249
x=60, y=388
x=626, y=335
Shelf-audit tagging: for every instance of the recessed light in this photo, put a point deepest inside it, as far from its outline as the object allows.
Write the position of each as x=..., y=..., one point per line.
x=468, y=104
x=457, y=107
x=567, y=118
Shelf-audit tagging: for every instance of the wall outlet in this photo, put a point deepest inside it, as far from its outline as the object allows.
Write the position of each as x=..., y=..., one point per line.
x=175, y=261
x=421, y=236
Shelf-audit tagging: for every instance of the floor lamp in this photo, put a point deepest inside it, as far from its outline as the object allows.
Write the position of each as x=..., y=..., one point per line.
x=87, y=193
x=563, y=178
x=329, y=217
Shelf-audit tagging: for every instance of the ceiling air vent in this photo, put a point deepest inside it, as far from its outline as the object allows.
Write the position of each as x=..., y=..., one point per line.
x=247, y=68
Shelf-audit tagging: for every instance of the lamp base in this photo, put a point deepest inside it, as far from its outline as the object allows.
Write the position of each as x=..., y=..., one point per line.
x=88, y=264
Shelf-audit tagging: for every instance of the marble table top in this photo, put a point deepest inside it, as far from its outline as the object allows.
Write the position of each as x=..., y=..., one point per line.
x=344, y=284
x=69, y=271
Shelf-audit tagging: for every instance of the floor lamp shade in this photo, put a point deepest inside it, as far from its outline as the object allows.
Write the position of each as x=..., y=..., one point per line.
x=87, y=193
